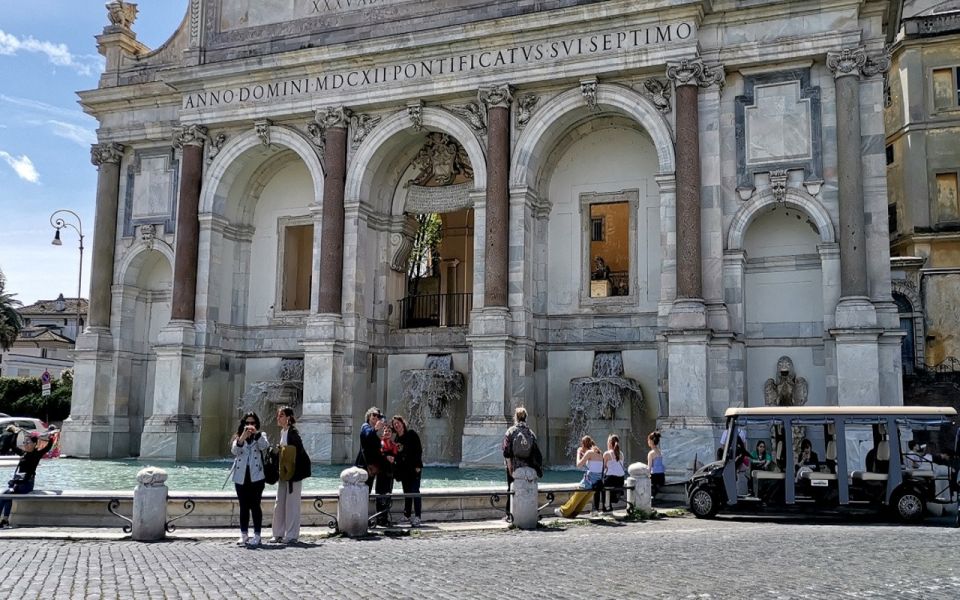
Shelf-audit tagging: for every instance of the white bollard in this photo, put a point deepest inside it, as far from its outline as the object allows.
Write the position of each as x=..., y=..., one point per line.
x=524, y=505
x=638, y=486
x=353, y=508
x=150, y=505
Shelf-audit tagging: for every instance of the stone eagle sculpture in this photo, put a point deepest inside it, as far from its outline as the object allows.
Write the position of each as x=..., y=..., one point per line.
x=786, y=389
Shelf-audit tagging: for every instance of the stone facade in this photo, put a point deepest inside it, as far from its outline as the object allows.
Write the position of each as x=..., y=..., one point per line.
x=923, y=165
x=718, y=124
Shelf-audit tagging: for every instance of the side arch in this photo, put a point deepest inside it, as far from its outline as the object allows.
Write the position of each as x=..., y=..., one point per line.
x=795, y=198
x=128, y=272
x=376, y=149
x=550, y=122
x=226, y=166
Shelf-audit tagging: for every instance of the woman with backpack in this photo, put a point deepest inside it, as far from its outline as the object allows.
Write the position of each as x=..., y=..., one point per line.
x=294, y=468
x=589, y=457
x=247, y=447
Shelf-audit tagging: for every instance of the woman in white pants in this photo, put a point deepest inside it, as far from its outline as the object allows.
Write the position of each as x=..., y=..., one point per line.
x=286, y=512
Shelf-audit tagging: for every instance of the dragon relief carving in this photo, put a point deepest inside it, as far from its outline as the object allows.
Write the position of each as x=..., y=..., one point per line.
x=659, y=92
x=473, y=114
x=525, y=107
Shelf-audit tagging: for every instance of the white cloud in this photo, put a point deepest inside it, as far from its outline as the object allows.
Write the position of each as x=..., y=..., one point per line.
x=38, y=106
x=22, y=165
x=58, y=54
x=79, y=135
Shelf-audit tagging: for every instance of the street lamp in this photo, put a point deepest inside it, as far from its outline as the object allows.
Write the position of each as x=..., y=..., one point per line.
x=58, y=223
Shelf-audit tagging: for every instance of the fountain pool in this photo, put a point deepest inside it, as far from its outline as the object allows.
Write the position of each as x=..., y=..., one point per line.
x=81, y=474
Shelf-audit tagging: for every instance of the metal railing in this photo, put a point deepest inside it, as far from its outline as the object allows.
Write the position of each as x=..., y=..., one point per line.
x=436, y=310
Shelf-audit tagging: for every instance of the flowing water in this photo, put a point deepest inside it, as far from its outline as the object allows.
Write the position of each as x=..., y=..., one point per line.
x=101, y=475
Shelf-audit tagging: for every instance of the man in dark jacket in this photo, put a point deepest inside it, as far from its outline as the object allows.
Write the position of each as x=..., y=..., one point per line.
x=22, y=482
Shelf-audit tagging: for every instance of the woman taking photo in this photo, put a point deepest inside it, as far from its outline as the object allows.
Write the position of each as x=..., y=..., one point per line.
x=286, y=512
x=408, y=468
x=590, y=457
x=247, y=448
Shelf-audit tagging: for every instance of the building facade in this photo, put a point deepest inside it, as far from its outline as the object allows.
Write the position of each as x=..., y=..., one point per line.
x=643, y=207
x=46, y=341
x=923, y=165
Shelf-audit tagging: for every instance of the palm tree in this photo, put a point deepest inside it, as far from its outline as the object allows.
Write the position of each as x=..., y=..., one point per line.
x=10, y=321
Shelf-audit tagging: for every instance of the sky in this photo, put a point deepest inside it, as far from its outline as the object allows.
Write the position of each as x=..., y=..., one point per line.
x=47, y=54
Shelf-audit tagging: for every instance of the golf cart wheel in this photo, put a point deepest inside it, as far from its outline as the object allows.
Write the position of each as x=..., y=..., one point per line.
x=908, y=506
x=703, y=503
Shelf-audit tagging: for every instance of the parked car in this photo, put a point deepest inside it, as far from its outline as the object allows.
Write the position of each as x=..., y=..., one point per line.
x=25, y=423
x=887, y=476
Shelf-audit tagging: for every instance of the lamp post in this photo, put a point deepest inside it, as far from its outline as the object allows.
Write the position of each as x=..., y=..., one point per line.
x=58, y=223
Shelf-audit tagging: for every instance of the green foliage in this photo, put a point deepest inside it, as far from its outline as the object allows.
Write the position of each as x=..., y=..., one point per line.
x=10, y=321
x=635, y=513
x=425, y=255
x=20, y=397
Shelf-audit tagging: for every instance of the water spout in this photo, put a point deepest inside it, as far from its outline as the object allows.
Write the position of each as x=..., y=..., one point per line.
x=600, y=396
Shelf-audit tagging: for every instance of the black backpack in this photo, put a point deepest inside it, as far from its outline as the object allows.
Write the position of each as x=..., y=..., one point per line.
x=521, y=446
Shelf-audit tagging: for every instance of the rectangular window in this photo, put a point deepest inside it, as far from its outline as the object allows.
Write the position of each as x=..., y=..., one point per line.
x=610, y=250
x=946, y=91
x=890, y=155
x=297, y=267
x=947, y=205
x=892, y=218
x=596, y=229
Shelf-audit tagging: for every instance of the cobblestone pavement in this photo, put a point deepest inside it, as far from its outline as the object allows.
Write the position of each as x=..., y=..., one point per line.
x=673, y=558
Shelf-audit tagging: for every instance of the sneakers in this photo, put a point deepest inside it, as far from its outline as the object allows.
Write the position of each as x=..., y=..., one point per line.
x=291, y=542
x=415, y=522
x=254, y=541
x=404, y=520
x=243, y=540
x=276, y=540
x=594, y=514
x=558, y=512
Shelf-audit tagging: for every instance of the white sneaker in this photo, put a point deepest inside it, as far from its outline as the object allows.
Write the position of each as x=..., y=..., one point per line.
x=594, y=514
x=254, y=541
x=404, y=520
x=415, y=522
x=243, y=539
x=558, y=512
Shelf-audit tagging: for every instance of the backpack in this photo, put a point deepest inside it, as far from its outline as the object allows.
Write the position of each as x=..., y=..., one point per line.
x=522, y=443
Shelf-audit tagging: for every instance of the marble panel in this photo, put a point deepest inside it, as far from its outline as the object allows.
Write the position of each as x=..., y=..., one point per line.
x=150, y=196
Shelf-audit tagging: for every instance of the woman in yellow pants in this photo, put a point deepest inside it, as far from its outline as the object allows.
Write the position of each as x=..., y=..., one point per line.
x=590, y=457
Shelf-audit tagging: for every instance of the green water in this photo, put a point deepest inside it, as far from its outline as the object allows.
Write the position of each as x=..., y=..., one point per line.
x=80, y=474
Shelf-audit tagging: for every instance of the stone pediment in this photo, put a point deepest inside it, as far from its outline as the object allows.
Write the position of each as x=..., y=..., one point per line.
x=260, y=25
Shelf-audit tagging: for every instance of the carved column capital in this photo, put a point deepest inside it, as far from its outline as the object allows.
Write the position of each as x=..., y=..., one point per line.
x=497, y=96
x=693, y=71
x=329, y=117
x=189, y=135
x=847, y=62
x=109, y=152
x=877, y=63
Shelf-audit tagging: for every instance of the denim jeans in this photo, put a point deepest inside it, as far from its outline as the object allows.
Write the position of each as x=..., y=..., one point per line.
x=19, y=487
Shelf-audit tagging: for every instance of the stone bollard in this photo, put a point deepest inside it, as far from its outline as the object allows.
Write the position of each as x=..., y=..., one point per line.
x=353, y=508
x=150, y=505
x=638, y=486
x=524, y=504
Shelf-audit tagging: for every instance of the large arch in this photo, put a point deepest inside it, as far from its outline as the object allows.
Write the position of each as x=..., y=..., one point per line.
x=378, y=148
x=794, y=198
x=551, y=121
x=227, y=166
x=129, y=268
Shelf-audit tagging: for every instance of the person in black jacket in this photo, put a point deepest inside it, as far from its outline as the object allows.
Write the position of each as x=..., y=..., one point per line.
x=22, y=482
x=286, y=512
x=409, y=468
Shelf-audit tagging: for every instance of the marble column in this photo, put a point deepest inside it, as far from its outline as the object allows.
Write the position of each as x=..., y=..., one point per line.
x=689, y=429
x=107, y=159
x=173, y=430
x=334, y=124
x=491, y=330
x=856, y=330
x=92, y=431
x=497, y=101
x=325, y=423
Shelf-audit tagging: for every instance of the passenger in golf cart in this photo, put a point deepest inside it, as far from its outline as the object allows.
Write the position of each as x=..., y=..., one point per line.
x=829, y=457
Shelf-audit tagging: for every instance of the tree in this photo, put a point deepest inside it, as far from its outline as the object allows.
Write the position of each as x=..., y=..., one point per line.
x=425, y=256
x=10, y=321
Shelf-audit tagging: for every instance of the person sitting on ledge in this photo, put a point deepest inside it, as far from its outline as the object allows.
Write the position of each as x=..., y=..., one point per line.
x=22, y=482
x=589, y=456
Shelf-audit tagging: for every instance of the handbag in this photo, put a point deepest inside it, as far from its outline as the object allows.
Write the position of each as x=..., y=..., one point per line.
x=271, y=466
x=288, y=463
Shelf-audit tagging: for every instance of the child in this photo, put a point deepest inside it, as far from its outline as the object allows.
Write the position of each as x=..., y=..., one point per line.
x=388, y=447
